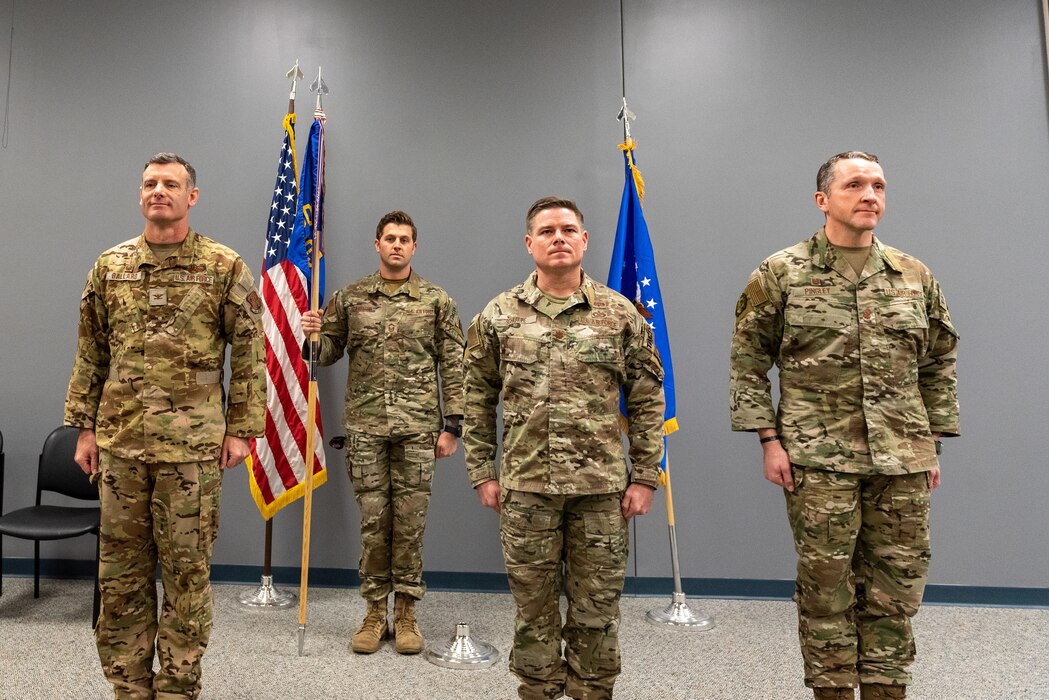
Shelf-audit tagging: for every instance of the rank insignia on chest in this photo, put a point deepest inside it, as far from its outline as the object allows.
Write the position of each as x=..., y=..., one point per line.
x=158, y=297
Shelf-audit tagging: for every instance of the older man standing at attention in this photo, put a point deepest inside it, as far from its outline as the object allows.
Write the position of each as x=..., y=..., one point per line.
x=866, y=354
x=157, y=427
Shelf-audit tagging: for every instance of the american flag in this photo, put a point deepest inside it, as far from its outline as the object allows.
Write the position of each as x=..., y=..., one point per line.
x=277, y=464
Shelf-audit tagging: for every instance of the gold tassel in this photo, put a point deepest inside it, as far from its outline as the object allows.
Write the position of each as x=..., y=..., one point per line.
x=289, y=127
x=639, y=182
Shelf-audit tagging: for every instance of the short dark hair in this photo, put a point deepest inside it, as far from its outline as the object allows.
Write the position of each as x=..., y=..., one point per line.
x=166, y=158
x=825, y=175
x=395, y=217
x=551, y=203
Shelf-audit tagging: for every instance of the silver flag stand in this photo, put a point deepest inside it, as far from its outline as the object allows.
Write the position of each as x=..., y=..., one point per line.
x=678, y=614
x=268, y=596
x=462, y=652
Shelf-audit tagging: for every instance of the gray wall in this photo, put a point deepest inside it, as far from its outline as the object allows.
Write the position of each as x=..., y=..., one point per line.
x=464, y=112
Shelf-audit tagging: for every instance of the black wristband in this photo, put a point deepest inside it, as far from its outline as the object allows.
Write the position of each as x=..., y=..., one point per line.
x=456, y=430
x=939, y=447
x=770, y=438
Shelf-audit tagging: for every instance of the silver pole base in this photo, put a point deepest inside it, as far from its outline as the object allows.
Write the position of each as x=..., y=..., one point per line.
x=678, y=614
x=266, y=596
x=462, y=652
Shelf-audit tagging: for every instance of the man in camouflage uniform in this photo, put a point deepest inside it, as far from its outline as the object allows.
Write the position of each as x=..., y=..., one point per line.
x=400, y=333
x=558, y=348
x=157, y=429
x=866, y=355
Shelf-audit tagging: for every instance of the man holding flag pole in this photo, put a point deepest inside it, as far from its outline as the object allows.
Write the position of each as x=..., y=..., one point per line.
x=401, y=334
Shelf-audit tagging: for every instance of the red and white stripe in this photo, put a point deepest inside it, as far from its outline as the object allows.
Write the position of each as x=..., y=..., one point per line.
x=277, y=466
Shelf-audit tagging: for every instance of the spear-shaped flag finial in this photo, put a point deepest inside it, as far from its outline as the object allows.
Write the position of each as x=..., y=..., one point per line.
x=320, y=88
x=295, y=74
x=625, y=115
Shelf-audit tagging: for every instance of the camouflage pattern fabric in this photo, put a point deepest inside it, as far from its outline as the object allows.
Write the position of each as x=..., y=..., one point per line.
x=396, y=346
x=151, y=350
x=588, y=536
x=399, y=344
x=151, y=512
x=559, y=367
x=391, y=480
x=863, y=560
x=559, y=375
x=866, y=364
x=148, y=380
x=867, y=375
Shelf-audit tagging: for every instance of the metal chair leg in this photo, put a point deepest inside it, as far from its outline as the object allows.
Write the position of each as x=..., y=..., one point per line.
x=36, y=568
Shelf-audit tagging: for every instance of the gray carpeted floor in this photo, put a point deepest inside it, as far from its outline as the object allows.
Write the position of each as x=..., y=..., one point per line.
x=47, y=651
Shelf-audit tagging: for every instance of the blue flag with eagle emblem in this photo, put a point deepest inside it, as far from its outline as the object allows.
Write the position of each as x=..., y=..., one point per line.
x=633, y=274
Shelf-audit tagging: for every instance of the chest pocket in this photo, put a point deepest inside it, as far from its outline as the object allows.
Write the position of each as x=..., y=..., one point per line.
x=904, y=316
x=817, y=342
x=603, y=365
x=365, y=326
x=417, y=325
x=601, y=353
x=825, y=317
x=185, y=310
x=523, y=374
x=518, y=350
x=906, y=327
x=129, y=318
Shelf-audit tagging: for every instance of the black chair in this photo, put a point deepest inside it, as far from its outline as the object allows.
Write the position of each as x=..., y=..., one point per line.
x=58, y=473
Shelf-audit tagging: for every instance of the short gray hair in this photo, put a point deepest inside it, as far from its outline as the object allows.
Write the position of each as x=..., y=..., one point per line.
x=825, y=175
x=167, y=158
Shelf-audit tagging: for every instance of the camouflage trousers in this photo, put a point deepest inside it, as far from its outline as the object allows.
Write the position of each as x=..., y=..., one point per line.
x=579, y=543
x=863, y=560
x=155, y=512
x=391, y=479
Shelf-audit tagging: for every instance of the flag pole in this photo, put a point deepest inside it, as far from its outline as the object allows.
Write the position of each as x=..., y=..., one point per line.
x=677, y=613
x=320, y=89
x=267, y=595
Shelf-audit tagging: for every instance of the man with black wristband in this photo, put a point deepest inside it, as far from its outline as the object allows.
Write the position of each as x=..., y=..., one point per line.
x=866, y=353
x=400, y=333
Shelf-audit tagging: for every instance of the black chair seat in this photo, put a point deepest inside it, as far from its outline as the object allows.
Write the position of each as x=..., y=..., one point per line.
x=57, y=472
x=49, y=522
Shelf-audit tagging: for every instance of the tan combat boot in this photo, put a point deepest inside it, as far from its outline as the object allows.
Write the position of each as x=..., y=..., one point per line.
x=880, y=691
x=407, y=639
x=833, y=694
x=373, y=630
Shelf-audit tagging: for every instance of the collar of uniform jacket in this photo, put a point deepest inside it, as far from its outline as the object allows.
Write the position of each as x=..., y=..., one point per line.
x=373, y=284
x=824, y=256
x=186, y=254
x=529, y=292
